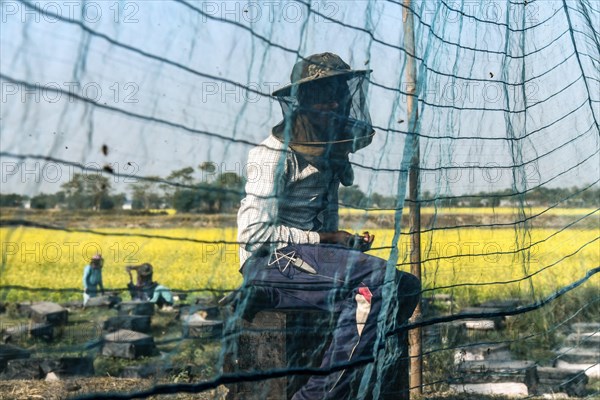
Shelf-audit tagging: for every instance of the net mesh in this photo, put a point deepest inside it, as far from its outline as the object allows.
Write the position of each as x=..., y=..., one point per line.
x=125, y=131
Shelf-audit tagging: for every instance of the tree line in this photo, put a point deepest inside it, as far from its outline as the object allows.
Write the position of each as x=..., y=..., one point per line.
x=566, y=197
x=183, y=191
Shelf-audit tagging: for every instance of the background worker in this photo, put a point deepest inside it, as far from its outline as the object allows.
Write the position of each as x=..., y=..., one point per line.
x=92, y=278
x=145, y=289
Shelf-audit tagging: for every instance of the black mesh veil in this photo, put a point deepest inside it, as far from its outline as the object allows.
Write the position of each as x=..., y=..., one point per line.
x=327, y=116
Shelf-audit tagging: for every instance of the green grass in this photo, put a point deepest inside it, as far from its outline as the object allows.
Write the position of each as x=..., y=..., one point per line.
x=533, y=335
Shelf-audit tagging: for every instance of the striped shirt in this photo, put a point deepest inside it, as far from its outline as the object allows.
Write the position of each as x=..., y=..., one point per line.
x=287, y=200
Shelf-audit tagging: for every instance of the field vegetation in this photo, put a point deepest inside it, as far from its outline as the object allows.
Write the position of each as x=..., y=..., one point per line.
x=199, y=254
x=473, y=263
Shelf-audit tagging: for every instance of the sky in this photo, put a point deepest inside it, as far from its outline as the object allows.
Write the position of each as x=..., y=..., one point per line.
x=508, y=94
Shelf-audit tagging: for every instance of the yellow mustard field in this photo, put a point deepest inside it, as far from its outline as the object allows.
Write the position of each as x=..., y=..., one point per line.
x=478, y=262
x=182, y=258
x=497, y=263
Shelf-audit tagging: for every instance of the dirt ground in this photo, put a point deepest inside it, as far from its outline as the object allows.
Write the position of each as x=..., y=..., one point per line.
x=75, y=388
x=139, y=219
x=21, y=390
x=26, y=389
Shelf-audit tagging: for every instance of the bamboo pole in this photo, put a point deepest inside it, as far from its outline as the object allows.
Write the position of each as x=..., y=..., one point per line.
x=414, y=337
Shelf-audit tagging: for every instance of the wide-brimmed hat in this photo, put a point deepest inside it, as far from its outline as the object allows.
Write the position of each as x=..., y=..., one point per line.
x=315, y=67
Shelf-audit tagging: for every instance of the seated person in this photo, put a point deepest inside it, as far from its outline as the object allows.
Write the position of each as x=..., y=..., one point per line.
x=293, y=254
x=145, y=289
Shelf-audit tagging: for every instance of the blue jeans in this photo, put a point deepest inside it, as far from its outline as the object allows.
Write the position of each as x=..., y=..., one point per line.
x=347, y=282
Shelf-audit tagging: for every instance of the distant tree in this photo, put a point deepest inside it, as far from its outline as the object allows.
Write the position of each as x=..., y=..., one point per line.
x=85, y=191
x=495, y=201
x=106, y=203
x=229, y=190
x=117, y=200
x=209, y=196
x=60, y=198
x=98, y=188
x=208, y=169
x=183, y=176
x=590, y=197
x=352, y=196
x=185, y=200
x=44, y=201
x=12, y=200
x=476, y=202
x=74, y=190
x=215, y=193
x=146, y=195
x=379, y=201
x=176, y=178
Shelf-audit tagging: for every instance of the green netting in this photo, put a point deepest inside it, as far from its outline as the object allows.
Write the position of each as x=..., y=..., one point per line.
x=126, y=128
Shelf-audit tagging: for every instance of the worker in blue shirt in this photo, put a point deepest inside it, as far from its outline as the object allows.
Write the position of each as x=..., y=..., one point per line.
x=92, y=278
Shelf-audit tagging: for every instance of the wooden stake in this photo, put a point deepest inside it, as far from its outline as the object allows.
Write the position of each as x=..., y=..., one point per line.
x=414, y=337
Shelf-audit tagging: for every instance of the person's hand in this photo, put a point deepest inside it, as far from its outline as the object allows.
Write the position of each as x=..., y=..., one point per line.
x=358, y=242
x=364, y=242
x=338, y=237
